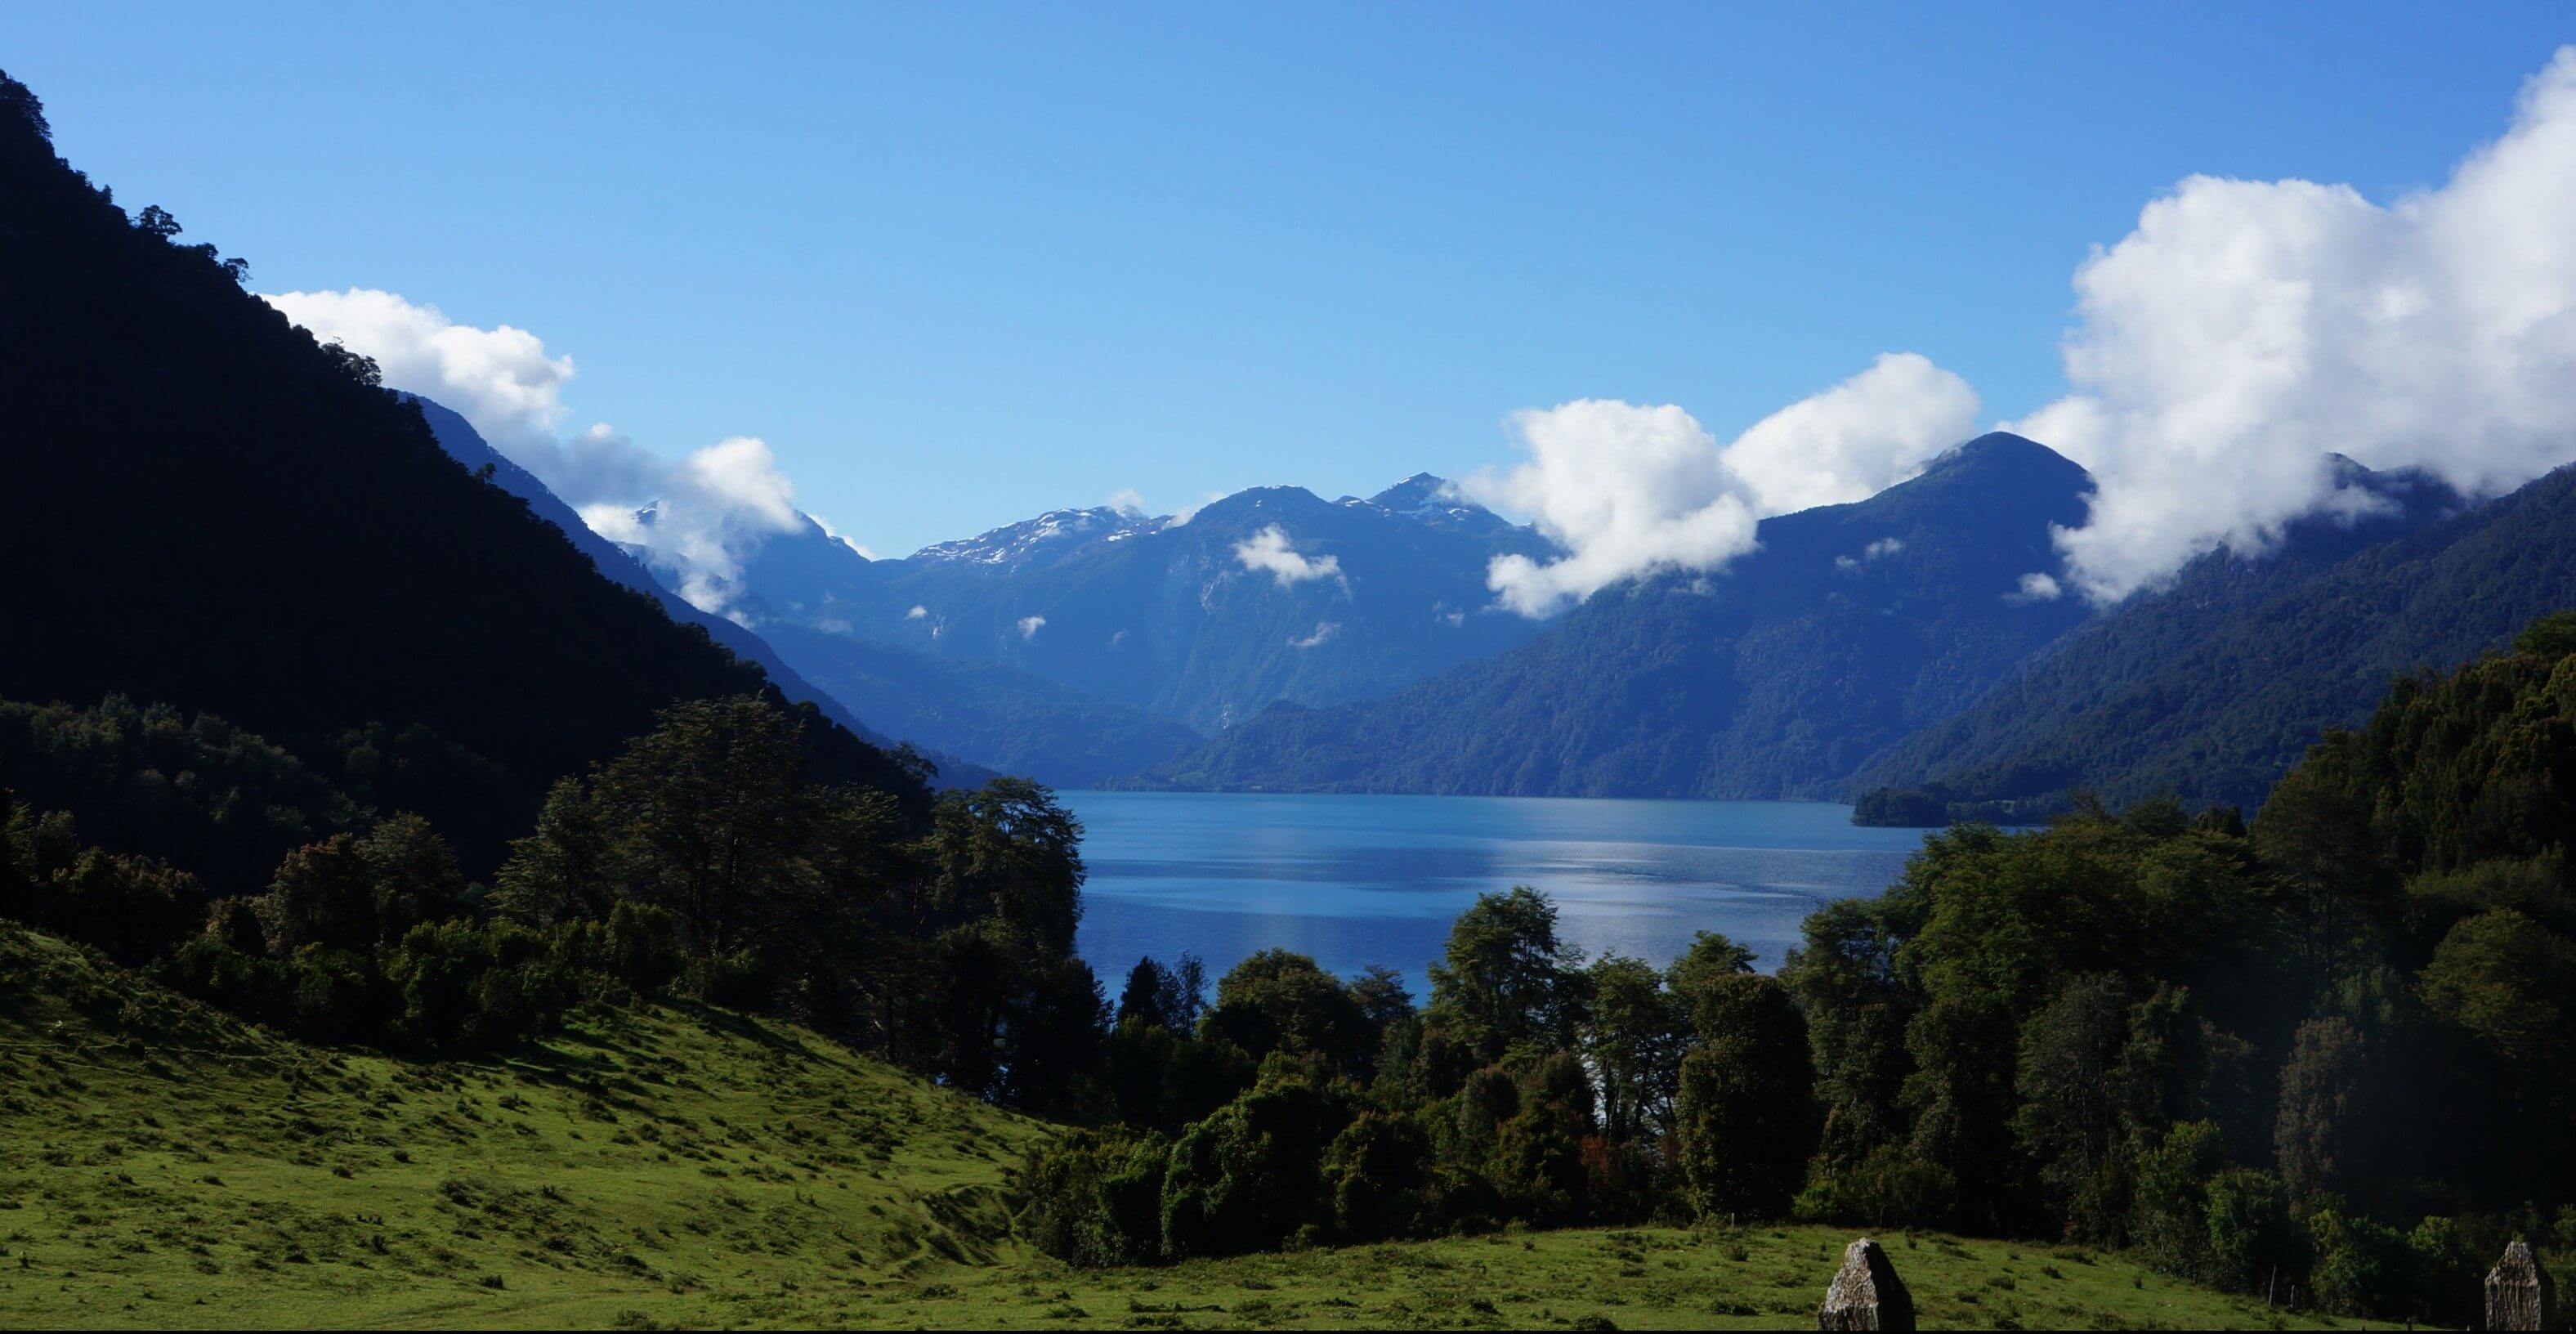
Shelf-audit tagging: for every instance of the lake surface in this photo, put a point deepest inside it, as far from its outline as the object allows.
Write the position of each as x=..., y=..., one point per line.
x=1359, y=880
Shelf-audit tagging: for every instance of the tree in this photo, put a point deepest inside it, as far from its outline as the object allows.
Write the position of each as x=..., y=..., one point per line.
x=134, y=908
x=324, y=895
x=1844, y=978
x=1960, y=1098
x=566, y=870
x=714, y=812
x=1277, y=1000
x=1506, y=981
x=2069, y=1121
x=415, y=873
x=1165, y=997
x=2511, y=983
x=1633, y=1036
x=1009, y=850
x=1746, y=1116
x=2317, y=831
x=1249, y=1177
x=2320, y=1136
x=1379, y=1172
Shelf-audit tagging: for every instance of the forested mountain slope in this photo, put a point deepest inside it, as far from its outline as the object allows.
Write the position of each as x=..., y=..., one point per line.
x=2212, y=689
x=468, y=447
x=1851, y=626
x=205, y=508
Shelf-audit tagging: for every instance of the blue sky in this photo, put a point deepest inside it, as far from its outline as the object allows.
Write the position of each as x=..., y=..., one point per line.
x=961, y=264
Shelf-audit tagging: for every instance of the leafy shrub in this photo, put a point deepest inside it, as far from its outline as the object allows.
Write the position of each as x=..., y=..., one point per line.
x=1248, y=1178
x=1379, y=1173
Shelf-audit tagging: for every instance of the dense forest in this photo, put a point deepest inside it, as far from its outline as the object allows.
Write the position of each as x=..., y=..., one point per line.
x=2234, y=1050
x=1851, y=627
x=700, y=861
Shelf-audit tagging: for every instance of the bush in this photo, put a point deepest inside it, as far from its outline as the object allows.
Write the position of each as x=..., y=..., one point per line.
x=1886, y=1187
x=1249, y=1177
x=2250, y=1232
x=1379, y=1174
x=133, y=908
x=476, y=986
x=1095, y=1200
x=2447, y=1269
x=334, y=995
x=2361, y=1267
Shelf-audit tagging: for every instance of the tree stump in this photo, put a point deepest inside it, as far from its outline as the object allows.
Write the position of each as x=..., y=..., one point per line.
x=1866, y=1293
x=2518, y=1291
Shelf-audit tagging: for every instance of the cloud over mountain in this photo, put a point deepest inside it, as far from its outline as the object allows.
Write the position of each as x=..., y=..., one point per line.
x=1271, y=550
x=708, y=511
x=1628, y=489
x=2245, y=329
x=499, y=379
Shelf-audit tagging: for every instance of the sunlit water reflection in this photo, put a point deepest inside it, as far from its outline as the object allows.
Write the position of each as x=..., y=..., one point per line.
x=1356, y=880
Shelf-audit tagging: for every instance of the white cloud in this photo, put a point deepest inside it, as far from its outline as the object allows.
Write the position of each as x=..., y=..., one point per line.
x=1181, y=517
x=700, y=517
x=2036, y=587
x=2247, y=328
x=707, y=515
x=742, y=474
x=1030, y=625
x=1323, y=631
x=1127, y=501
x=865, y=552
x=499, y=379
x=1856, y=439
x=1630, y=490
x=918, y=612
x=1878, y=550
x=1271, y=550
x=1624, y=489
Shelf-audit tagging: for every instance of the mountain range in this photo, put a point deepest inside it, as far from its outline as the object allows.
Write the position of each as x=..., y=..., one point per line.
x=1849, y=627
x=1204, y=618
x=1897, y=648
x=1087, y=644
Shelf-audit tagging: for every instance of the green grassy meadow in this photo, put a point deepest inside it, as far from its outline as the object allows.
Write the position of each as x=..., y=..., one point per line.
x=164, y=1165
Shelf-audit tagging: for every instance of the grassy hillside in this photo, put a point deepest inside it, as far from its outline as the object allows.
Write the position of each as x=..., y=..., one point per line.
x=165, y=1165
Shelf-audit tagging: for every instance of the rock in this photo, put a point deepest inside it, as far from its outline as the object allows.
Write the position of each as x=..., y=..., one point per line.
x=1867, y=1294
x=2518, y=1291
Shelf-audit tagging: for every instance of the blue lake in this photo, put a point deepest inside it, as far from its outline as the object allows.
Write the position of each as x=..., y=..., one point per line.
x=1358, y=880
